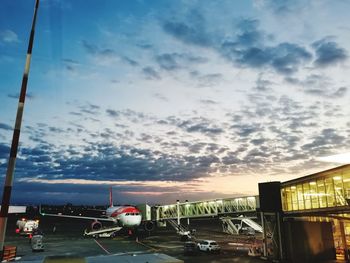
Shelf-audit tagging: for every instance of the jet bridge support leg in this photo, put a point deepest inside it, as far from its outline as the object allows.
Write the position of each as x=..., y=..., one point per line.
x=272, y=235
x=272, y=219
x=264, y=235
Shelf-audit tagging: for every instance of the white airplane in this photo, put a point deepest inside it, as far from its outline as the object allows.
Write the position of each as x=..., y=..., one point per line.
x=123, y=216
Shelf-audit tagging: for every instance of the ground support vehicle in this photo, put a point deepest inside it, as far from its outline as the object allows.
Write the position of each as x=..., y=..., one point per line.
x=209, y=246
x=190, y=248
x=36, y=240
x=26, y=227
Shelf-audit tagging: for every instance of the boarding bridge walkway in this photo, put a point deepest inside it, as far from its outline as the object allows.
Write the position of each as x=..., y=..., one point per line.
x=208, y=208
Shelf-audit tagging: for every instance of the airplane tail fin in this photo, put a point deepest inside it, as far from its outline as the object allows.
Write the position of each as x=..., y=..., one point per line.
x=110, y=197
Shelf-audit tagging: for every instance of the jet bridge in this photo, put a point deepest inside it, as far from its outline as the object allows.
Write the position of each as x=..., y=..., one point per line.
x=208, y=208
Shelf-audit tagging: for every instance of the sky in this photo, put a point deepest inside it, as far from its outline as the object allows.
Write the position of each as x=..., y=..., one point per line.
x=167, y=100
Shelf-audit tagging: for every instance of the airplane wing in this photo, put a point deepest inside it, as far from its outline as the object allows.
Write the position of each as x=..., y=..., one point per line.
x=80, y=217
x=99, y=210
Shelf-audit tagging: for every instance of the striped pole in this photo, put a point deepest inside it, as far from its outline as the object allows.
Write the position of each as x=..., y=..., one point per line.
x=16, y=132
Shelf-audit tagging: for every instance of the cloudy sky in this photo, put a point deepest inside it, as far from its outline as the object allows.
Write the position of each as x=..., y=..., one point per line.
x=170, y=100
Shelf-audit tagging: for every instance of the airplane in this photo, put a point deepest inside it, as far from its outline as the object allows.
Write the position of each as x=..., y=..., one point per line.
x=123, y=216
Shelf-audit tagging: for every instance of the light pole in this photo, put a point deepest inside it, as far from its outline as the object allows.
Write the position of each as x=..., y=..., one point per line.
x=6, y=196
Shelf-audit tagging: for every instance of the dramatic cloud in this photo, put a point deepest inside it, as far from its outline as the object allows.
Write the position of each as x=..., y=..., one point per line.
x=175, y=95
x=189, y=33
x=246, y=48
x=102, y=56
x=318, y=85
x=328, y=52
x=285, y=58
x=200, y=125
x=5, y=127
x=246, y=130
x=282, y=7
x=340, y=92
x=151, y=73
x=90, y=109
x=325, y=141
x=112, y=113
x=167, y=61
x=106, y=162
x=4, y=151
x=173, y=61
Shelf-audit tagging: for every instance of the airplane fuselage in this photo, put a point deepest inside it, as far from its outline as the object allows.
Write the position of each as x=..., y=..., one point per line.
x=125, y=216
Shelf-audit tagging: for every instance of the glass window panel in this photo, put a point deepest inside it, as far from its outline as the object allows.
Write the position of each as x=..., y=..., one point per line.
x=300, y=196
x=307, y=196
x=346, y=184
x=289, y=199
x=294, y=197
x=321, y=189
x=330, y=192
x=338, y=190
x=284, y=199
x=313, y=194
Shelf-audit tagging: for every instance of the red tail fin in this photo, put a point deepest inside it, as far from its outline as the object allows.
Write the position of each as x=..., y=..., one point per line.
x=110, y=197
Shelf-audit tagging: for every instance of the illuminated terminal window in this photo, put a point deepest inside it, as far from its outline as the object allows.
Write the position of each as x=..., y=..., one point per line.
x=328, y=189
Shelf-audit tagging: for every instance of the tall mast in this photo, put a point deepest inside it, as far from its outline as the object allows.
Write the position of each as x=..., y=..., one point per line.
x=6, y=196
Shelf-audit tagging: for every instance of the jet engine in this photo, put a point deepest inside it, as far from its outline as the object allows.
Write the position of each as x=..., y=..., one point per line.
x=96, y=225
x=148, y=225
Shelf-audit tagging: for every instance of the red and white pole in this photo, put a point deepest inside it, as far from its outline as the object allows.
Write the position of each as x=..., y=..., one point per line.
x=6, y=196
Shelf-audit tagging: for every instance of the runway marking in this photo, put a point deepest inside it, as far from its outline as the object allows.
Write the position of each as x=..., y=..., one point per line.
x=105, y=250
x=129, y=253
x=169, y=247
x=149, y=247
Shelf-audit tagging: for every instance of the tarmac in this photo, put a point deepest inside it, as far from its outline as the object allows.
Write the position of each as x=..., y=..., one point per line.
x=66, y=244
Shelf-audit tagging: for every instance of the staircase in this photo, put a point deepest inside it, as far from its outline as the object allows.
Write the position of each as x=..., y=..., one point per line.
x=253, y=224
x=229, y=227
x=180, y=229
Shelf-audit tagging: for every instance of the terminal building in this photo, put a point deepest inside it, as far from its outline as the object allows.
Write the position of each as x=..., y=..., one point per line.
x=307, y=219
x=302, y=220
